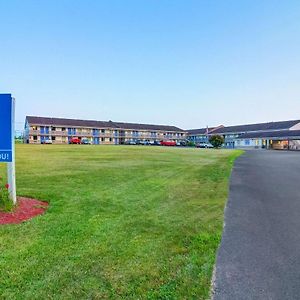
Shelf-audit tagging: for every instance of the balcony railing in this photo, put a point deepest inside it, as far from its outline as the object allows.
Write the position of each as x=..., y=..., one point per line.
x=107, y=135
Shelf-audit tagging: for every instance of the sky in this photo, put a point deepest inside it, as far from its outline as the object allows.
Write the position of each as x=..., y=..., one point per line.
x=186, y=63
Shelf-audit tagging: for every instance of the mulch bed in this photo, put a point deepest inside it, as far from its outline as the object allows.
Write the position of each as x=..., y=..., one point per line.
x=26, y=209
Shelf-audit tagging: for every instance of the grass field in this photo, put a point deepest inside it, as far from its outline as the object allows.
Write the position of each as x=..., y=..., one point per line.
x=124, y=222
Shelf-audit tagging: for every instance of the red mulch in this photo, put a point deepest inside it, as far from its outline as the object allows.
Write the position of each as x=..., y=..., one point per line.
x=26, y=209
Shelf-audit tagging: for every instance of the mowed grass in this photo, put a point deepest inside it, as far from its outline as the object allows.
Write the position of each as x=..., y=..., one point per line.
x=124, y=222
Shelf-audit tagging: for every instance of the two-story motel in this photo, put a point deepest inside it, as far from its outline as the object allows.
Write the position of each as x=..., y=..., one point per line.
x=61, y=131
x=271, y=135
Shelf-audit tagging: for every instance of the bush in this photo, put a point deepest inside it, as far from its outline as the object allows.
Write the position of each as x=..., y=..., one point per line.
x=190, y=144
x=6, y=203
x=216, y=140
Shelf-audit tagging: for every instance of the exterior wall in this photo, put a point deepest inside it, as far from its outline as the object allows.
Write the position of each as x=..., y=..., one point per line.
x=37, y=134
x=249, y=143
x=275, y=144
x=26, y=133
x=230, y=140
x=198, y=138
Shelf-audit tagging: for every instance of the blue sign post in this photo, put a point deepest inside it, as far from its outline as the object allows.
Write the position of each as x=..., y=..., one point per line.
x=7, y=142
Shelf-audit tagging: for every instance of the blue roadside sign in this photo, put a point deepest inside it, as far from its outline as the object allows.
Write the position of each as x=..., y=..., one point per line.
x=6, y=135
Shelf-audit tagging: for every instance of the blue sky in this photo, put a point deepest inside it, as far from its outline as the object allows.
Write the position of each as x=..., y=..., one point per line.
x=185, y=63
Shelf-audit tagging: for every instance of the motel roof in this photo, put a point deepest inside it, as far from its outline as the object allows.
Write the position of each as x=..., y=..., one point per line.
x=271, y=134
x=203, y=130
x=67, y=122
x=97, y=124
x=281, y=125
x=199, y=131
x=138, y=126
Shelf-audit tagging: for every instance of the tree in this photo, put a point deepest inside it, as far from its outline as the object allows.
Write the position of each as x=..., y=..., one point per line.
x=216, y=140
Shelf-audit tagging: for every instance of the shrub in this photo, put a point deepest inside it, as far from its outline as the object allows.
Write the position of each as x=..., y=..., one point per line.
x=216, y=140
x=6, y=203
x=190, y=144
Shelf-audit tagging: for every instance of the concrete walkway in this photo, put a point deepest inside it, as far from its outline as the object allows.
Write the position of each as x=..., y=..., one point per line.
x=259, y=256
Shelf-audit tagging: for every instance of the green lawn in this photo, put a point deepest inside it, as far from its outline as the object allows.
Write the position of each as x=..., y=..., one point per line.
x=124, y=222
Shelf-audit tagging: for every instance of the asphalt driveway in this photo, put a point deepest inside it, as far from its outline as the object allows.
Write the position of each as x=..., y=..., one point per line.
x=259, y=256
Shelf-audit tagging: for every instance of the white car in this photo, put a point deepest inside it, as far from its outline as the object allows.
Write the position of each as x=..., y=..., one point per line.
x=47, y=142
x=204, y=145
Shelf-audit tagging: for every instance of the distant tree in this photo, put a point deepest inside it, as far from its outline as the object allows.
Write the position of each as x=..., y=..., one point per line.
x=216, y=140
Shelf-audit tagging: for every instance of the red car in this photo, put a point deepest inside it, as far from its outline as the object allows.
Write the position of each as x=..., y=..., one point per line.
x=168, y=143
x=75, y=141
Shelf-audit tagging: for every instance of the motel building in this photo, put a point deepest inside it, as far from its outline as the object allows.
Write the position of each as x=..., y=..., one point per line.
x=283, y=135
x=61, y=131
x=201, y=135
x=281, y=140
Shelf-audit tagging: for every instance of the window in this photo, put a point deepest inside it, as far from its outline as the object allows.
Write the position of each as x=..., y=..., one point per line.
x=95, y=131
x=53, y=128
x=102, y=130
x=63, y=129
x=35, y=137
x=34, y=127
x=110, y=139
x=247, y=142
x=53, y=138
x=102, y=139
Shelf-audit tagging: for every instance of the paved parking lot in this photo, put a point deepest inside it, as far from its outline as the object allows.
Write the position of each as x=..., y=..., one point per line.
x=259, y=256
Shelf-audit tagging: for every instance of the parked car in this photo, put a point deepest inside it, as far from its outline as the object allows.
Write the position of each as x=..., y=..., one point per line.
x=168, y=143
x=141, y=142
x=75, y=141
x=204, y=145
x=85, y=141
x=181, y=144
x=48, y=141
x=130, y=143
x=154, y=143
